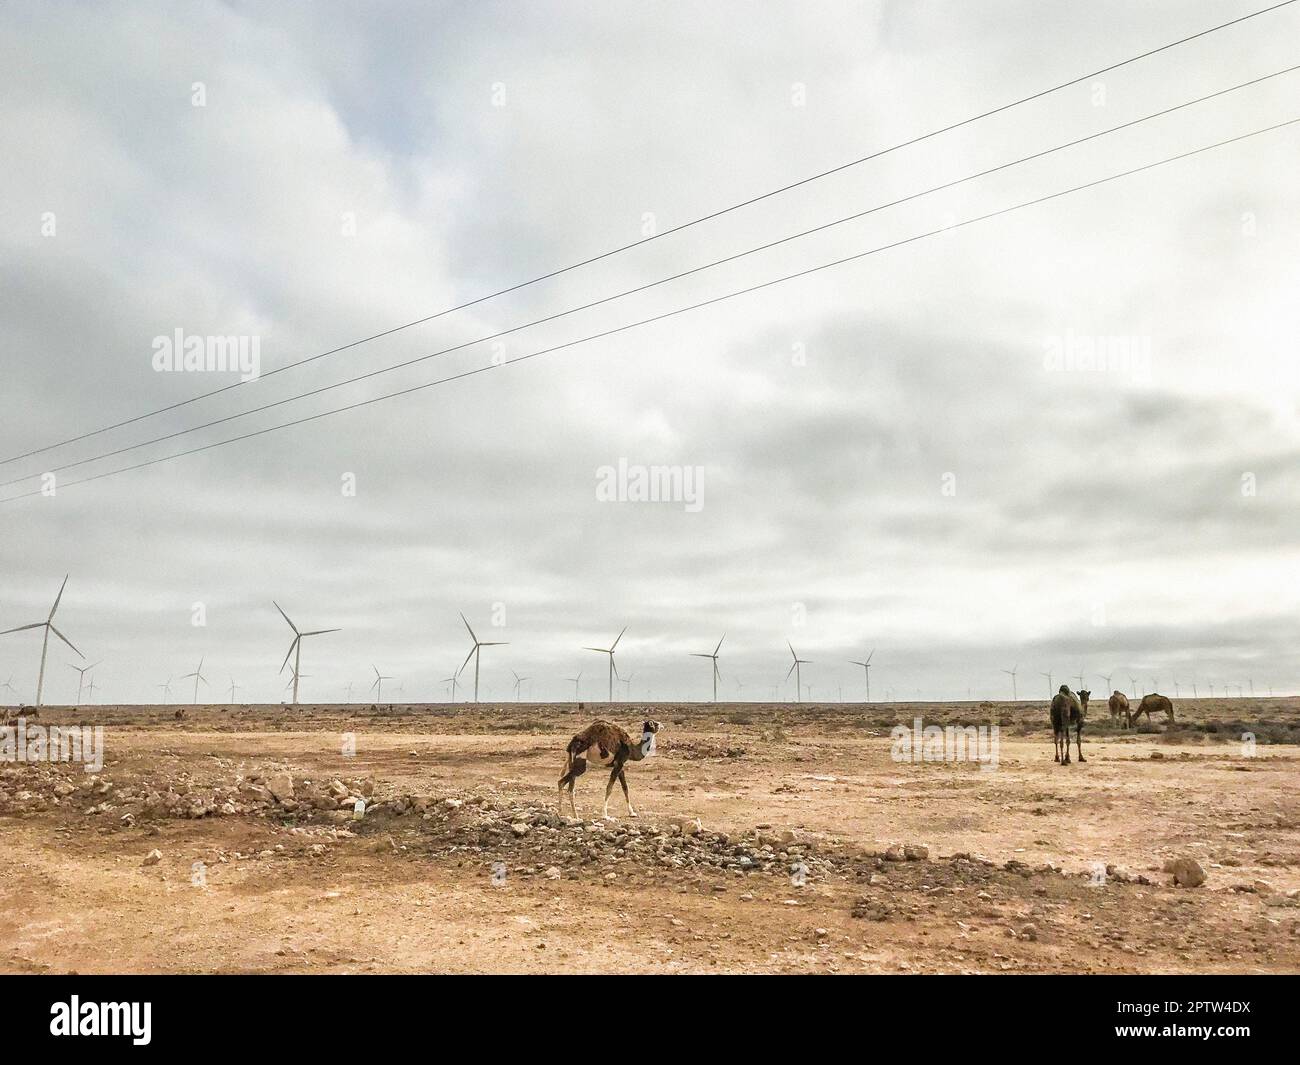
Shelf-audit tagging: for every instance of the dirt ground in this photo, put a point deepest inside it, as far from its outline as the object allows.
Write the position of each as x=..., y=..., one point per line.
x=460, y=864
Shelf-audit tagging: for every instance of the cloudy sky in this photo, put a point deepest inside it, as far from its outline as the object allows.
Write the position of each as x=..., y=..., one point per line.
x=902, y=452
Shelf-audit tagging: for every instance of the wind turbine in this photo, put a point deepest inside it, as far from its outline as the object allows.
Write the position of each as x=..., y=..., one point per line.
x=714, y=657
x=1177, y=692
x=1194, y=695
x=474, y=654
x=91, y=687
x=577, y=698
x=48, y=626
x=9, y=685
x=295, y=648
x=349, y=692
x=1252, y=687
x=81, y=679
x=379, y=683
x=1133, y=681
x=1015, y=698
x=798, y=673
x=1079, y=677
x=453, y=679
x=166, y=689
x=518, y=683
x=1107, y=677
x=1050, y=690
x=198, y=676
x=627, y=687
x=866, y=668
x=613, y=671
x=233, y=688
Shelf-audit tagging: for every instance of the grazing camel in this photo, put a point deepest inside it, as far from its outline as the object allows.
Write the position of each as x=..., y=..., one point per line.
x=605, y=744
x=1068, y=709
x=1118, y=703
x=1153, y=702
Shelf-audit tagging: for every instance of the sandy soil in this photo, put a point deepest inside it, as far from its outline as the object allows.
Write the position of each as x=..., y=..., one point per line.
x=1009, y=883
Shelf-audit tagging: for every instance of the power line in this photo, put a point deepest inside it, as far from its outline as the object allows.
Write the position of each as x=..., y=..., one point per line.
x=879, y=153
x=672, y=313
x=639, y=288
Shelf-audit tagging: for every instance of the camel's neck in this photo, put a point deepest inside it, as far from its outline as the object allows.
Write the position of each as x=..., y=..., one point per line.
x=645, y=748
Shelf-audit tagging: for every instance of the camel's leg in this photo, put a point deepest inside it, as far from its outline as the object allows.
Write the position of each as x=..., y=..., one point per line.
x=609, y=788
x=1078, y=740
x=622, y=779
x=576, y=769
x=1056, y=745
x=1066, y=734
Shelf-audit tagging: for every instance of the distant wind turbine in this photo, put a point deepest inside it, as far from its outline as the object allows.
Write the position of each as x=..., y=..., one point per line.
x=1079, y=677
x=627, y=687
x=474, y=654
x=92, y=687
x=613, y=670
x=233, y=688
x=48, y=626
x=518, y=684
x=714, y=658
x=1133, y=681
x=295, y=649
x=1177, y=691
x=577, y=697
x=379, y=684
x=9, y=685
x=198, y=676
x=798, y=673
x=166, y=689
x=1107, y=678
x=1050, y=690
x=453, y=679
x=1015, y=696
x=866, y=668
x=81, y=679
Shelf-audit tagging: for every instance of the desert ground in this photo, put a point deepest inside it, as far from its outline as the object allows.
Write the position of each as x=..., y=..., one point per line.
x=772, y=838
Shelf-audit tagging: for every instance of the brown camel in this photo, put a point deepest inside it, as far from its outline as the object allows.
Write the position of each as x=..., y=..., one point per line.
x=605, y=744
x=1152, y=702
x=1068, y=709
x=1118, y=703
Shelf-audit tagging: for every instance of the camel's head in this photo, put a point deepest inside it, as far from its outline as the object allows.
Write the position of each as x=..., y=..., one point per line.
x=1084, y=696
x=1064, y=689
x=650, y=727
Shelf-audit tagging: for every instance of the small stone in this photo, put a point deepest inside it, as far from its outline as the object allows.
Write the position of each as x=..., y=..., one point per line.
x=1187, y=872
x=519, y=828
x=153, y=858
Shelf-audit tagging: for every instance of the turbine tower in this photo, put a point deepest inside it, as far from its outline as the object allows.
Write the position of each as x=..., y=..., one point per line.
x=613, y=671
x=198, y=676
x=233, y=688
x=577, y=698
x=714, y=657
x=295, y=649
x=866, y=668
x=798, y=673
x=1050, y=690
x=1015, y=698
x=1134, y=681
x=474, y=654
x=518, y=684
x=379, y=683
x=48, y=626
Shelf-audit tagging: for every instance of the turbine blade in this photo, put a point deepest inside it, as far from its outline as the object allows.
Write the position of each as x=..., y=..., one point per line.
x=321, y=632
x=602, y=650
x=719, y=647
x=57, y=598
x=467, y=658
x=286, y=618
x=289, y=653
x=792, y=654
x=497, y=643
x=791, y=669
x=471, y=631
x=619, y=637
x=24, y=628
x=65, y=640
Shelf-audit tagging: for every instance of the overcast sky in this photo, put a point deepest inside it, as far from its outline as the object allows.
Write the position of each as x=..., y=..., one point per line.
x=888, y=455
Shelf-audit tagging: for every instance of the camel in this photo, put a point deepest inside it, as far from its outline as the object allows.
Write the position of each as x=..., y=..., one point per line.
x=1118, y=703
x=1068, y=709
x=605, y=744
x=1153, y=702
